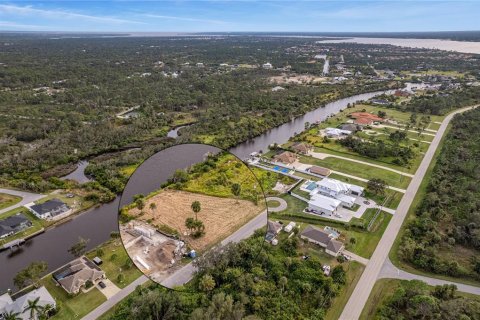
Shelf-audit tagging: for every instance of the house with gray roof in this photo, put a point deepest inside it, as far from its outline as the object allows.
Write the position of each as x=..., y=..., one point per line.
x=323, y=239
x=18, y=306
x=77, y=273
x=13, y=224
x=51, y=209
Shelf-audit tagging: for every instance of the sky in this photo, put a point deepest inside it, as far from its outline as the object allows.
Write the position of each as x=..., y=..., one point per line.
x=246, y=15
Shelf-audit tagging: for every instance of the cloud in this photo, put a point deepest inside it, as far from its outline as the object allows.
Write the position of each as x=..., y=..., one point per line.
x=60, y=14
x=183, y=18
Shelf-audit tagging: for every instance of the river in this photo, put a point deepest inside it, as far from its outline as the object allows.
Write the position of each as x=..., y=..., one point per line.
x=97, y=224
x=79, y=173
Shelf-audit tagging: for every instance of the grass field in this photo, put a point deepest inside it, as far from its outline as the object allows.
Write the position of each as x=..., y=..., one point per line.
x=116, y=261
x=7, y=200
x=273, y=204
x=359, y=170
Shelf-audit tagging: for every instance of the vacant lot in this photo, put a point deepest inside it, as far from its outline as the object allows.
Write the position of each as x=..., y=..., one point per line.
x=221, y=216
x=7, y=200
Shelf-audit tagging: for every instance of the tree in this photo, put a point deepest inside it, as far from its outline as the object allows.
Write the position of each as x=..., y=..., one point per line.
x=34, y=307
x=382, y=114
x=79, y=248
x=190, y=223
x=339, y=275
x=120, y=278
x=100, y=252
x=283, y=282
x=236, y=190
x=353, y=240
x=206, y=283
x=30, y=275
x=140, y=203
x=196, y=207
x=153, y=206
x=11, y=315
x=47, y=311
x=377, y=186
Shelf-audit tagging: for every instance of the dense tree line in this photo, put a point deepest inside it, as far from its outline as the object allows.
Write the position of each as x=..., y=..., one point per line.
x=447, y=221
x=243, y=281
x=378, y=148
x=415, y=300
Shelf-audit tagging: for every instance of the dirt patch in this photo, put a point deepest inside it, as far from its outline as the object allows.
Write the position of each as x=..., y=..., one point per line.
x=296, y=79
x=221, y=216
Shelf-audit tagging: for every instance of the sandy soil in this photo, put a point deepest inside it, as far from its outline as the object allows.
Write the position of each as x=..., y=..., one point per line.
x=221, y=216
x=296, y=79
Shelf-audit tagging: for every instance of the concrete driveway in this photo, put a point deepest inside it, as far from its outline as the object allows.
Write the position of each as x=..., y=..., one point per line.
x=110, y=290
x=27, y=197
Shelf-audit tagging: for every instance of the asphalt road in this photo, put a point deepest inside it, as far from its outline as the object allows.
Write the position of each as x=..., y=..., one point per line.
x=392, y=272
x=186, y=273
x=27, y=197
x=359, y=297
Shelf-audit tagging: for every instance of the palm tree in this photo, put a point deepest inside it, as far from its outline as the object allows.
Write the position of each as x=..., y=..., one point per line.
x=196, y=207
x=11, y=316
x=47, y=310
x=236, y=190
x=34, y=308
x=153, y=206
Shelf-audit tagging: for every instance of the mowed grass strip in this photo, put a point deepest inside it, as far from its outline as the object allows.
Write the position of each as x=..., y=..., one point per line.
x=360, y=170
x=8, y=200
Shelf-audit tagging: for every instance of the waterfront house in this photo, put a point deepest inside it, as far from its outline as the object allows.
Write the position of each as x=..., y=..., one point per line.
x=77, y=273
x=336, y=133
x=19, y=305
x=50, y=209
x=285, y=157
x=13, y=224
x=301, y=147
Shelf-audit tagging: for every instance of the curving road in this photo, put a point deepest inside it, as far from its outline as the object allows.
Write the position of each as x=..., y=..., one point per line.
x=185, y=274
x=27, y=197
x=359, y=297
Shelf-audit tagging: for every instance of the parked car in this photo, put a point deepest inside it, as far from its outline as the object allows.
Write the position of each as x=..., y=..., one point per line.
x=102, y=285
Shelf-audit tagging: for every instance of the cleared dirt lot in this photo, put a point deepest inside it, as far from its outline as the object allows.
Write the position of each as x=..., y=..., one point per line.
x=221, y=216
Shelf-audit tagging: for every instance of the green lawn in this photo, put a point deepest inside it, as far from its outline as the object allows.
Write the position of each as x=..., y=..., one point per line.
x=7, y=200
x=359, y=170
x=118, y=264
x=273, y=204
x=37, y=224
x=354, y=271
x=72, y=307
x=366, y=241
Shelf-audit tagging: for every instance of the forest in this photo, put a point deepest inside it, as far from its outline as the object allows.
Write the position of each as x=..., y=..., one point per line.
x=444, y=236
x=248, y=280
x=416, y=300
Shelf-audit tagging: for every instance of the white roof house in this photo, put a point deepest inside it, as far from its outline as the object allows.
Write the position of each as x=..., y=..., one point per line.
x=321, y=203
x=7, y=305
x=347, y=201
x=333, y=188
x=335, y=132
x=267, y=65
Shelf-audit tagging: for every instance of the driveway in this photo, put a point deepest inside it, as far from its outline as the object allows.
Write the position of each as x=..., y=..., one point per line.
x=321, y=156
x=110, y=290
x=362, y=290
x=356, y=257
x=27, y=197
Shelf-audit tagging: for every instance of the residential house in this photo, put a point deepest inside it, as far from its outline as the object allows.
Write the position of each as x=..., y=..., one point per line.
x=267, y=65
x=321, y=204
x=50, y=209
x=13, y=224
x=77, y=273
x=302, y=147
x=320, y=171
x=323, y=239
x=350, y=127
x=285, y=157
x=19, y=305
x=336, y=133
x=345, y=193
x=273, y=228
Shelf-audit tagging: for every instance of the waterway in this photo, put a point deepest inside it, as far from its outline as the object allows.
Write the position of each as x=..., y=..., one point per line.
x=447, y=45
x=79, y=173
x=97, y=224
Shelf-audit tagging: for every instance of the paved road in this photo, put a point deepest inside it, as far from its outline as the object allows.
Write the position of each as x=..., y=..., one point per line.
x=27, y=197
x=321, y=156
x=185, y=274
x=390, y=271
x=359, y=297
